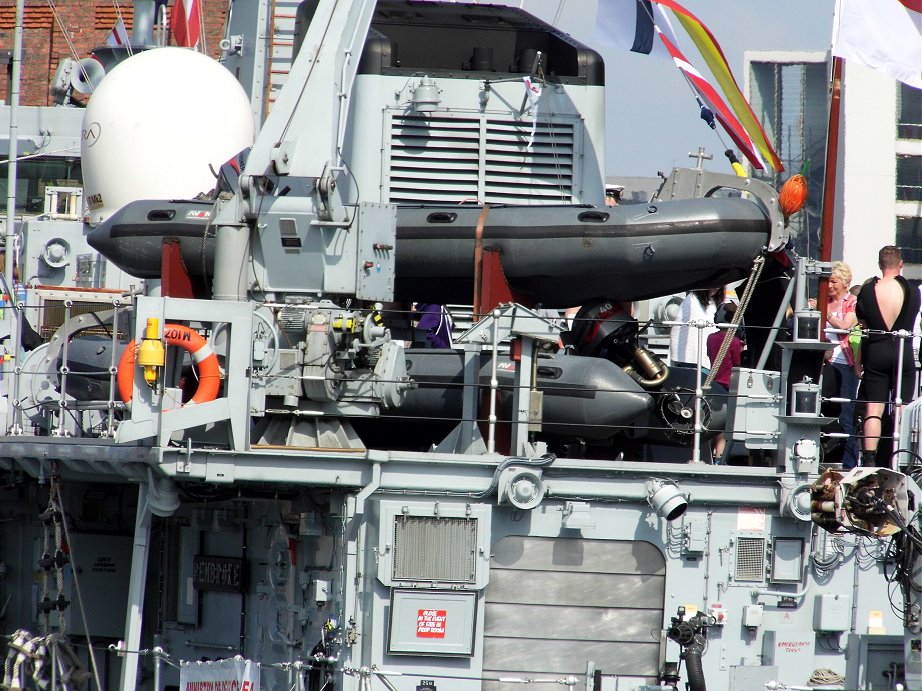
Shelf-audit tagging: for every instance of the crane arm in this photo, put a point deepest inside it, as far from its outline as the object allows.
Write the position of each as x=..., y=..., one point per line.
x=302, y=136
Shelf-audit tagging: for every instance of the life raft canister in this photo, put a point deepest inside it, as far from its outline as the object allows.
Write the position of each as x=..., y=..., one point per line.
x=209, y=373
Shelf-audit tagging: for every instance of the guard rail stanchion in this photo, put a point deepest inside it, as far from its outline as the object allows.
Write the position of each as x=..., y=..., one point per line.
x=901, y=335
x=113, y=372
x=700, y=325
x=63, y=371
x=494, y=385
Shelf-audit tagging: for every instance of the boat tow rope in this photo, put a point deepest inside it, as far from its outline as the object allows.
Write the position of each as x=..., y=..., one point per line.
x=53, y=559
x=49, y=656
x=757, y=267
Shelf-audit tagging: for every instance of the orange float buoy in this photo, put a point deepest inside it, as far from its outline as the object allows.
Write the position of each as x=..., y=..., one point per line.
x=792, y=196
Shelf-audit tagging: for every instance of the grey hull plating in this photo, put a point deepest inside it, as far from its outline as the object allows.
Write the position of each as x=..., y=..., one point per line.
x=558, y=256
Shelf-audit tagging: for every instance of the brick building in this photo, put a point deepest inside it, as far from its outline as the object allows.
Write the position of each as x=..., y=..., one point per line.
x=86, y=23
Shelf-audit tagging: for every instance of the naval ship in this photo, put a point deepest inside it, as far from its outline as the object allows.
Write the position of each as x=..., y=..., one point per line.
x=227, y=463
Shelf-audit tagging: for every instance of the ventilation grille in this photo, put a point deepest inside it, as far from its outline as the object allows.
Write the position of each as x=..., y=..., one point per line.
x=750, y=559
x=449, y=160
x=169, y=572
x=442, y=550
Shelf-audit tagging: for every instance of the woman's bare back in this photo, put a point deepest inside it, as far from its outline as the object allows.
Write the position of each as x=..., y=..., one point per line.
x=889, y=294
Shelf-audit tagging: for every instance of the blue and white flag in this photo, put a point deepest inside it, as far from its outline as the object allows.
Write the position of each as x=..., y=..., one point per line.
x=631, y=25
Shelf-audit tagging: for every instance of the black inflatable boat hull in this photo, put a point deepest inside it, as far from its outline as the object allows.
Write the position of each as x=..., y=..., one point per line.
x=559, y=256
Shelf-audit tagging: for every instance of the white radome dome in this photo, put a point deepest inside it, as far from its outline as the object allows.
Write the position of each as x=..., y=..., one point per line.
x=155, y=124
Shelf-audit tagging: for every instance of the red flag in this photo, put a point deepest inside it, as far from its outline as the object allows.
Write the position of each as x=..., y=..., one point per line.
x=186, y=23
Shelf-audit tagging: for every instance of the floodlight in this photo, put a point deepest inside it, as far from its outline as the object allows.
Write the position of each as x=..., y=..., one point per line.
x=665, y=498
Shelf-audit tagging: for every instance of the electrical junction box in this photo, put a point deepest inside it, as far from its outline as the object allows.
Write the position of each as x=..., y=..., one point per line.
x=321, y=591
x=793, y=652
x=753, y=415
x=695, y=536
x=832, y=613
x=752, y=616
x=717, y=612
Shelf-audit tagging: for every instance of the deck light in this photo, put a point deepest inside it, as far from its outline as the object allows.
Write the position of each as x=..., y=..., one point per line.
x=665, y=498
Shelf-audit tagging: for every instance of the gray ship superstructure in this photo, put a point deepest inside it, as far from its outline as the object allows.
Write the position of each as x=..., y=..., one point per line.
x=239, y=454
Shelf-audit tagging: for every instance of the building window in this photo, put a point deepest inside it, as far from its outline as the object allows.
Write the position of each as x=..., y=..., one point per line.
x=34, y=175
x=909, y=238
x=908, y=178
x=909, y=125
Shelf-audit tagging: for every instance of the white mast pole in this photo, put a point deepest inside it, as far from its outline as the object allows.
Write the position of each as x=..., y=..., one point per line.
x=11, y=248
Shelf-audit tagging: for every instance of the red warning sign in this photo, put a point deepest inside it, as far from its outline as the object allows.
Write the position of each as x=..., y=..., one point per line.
x=430, y=623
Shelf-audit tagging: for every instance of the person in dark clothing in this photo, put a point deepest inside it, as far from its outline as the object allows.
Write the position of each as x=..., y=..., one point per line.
x=436, y=322
x=732, y=358
x=885, y=305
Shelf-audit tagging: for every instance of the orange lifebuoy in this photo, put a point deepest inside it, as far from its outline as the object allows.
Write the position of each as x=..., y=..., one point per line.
x=209, y=373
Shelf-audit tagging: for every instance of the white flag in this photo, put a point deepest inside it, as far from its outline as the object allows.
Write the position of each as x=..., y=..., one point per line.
x=118, y=36
x=533, y=94
x=885, y=35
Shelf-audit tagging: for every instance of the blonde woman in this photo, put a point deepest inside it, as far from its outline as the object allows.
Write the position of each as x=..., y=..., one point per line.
x=840, y=314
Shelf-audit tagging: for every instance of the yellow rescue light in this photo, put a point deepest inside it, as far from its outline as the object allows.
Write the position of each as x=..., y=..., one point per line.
x=151, y=353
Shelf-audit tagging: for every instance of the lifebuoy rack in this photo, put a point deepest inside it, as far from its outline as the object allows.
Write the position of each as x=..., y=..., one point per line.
x=153, y=414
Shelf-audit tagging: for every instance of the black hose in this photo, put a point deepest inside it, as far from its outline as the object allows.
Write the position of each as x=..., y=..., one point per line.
x=694, y=669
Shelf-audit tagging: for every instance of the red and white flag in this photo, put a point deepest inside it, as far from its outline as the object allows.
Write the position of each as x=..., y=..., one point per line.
x=186, y=23
x=885, y=35
x=533, y=96
x=711, y=98
x=119, y=35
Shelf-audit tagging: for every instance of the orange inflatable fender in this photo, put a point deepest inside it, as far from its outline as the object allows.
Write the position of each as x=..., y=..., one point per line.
x=209, y=372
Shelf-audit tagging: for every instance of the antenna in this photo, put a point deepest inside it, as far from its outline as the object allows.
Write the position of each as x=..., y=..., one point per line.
x=86, y=75
x=60, y=84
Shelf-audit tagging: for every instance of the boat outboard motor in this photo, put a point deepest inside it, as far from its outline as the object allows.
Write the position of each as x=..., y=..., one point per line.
x=605, y=329
x=691, y=635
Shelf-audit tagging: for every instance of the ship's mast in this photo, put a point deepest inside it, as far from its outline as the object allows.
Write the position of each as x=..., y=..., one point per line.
x=10, y=245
